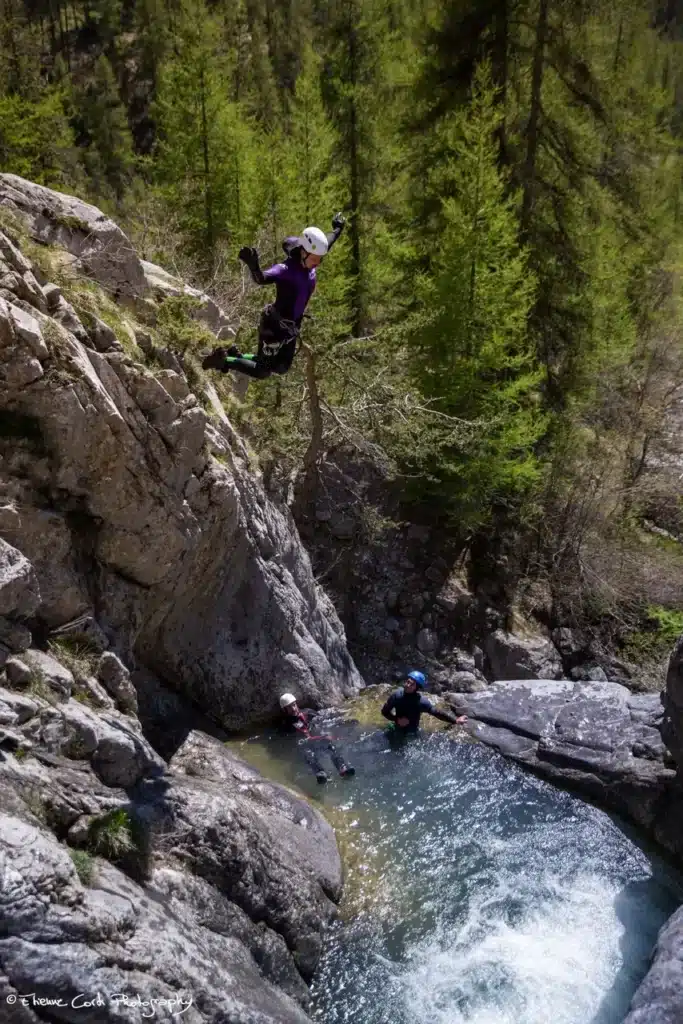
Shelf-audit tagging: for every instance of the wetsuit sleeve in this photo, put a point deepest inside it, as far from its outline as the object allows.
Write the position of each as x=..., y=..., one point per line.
x=332, y=236
x=429, y=709
x=389, y=707
x=269, y=276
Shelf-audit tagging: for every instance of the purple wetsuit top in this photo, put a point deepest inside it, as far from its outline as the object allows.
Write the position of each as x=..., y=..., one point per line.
x=294, y=286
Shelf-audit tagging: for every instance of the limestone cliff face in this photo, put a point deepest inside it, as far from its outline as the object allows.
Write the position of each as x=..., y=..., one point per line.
x=134, y=505
x=139, y=555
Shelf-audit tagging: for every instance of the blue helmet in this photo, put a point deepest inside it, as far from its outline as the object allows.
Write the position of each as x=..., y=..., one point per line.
x=419, y=678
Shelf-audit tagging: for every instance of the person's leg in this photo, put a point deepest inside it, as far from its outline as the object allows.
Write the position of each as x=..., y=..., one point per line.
x=256, y=368
x=340, y=762
x=313, y=762
x=282, y=362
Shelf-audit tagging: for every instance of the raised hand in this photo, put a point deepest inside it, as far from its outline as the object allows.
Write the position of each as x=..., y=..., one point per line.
x=249, y=256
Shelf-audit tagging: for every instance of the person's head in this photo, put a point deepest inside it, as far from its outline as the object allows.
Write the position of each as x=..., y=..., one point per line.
x=288, y=704
x=314, y=246
x=413, y=681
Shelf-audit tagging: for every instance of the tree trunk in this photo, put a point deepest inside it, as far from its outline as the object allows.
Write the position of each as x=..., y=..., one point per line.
x=208, y=204
x=500, y=74
x=529, y=182
x=355, y=180
x=315, y=445
x=308, y=480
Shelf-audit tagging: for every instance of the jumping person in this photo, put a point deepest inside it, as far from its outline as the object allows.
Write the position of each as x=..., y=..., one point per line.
x=404, y=706
x=280, y=323
x=295, y=720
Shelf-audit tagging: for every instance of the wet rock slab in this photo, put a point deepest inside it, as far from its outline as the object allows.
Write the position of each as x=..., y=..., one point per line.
x=596, y=736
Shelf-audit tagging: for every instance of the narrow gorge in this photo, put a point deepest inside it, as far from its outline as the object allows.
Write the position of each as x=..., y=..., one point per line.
x=155, y=600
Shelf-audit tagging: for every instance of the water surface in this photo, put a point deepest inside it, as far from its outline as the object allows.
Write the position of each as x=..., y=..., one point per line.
x=475, y=893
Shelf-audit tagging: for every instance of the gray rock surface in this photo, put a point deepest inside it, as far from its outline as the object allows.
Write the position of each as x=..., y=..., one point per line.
x=659, y=999
x=115, y=678
x=47, y=670
x=514, y=657
x=241, y=933
x=117, y=498
x=99, y=247
x=65, y=940
x=19, y=594
x=595, y=736
x=135, y=533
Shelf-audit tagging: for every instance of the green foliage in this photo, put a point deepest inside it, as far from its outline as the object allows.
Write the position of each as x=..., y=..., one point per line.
x=206, y=155
x=77, y=656
x=662, y=628
x=178, y=330
x=101, y=131
x=84, y=865
x=111, y=834
x=503, y=307
x=474, y=361
x=36, y=140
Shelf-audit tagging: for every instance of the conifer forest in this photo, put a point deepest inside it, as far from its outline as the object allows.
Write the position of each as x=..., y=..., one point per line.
x=498, y=331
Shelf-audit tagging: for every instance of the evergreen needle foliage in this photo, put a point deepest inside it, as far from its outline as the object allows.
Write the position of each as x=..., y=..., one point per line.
x=497, y=330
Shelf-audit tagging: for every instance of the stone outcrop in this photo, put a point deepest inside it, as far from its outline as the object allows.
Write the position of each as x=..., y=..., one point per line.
x=218, y=897
x=595, y=736
x=514, y=657
x=142, y=564
x=98, y=246
x=659, y=999
x=135, y=509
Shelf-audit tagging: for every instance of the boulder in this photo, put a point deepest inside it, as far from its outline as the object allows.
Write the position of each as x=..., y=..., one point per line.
x=118, y=754
x=463, y=682
x=18, y=672
x=99, y=247
x=261, y=846
x=56, y=927
x=19, y=593
x=594, y=736
x=50, y=672
x=513, y=657
x=27, y=331
x=22, y=707
x=115, y=678
x=659, y=998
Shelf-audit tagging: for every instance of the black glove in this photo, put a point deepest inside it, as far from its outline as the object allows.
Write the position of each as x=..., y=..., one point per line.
x=249, y=256
x=338, y=221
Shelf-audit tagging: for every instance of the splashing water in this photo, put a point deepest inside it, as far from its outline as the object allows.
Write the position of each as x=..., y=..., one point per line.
x=476, y=894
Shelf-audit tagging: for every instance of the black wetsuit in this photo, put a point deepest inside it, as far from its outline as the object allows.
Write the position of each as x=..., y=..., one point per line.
x=411, y=705
x=311, y=743
x=280, y=321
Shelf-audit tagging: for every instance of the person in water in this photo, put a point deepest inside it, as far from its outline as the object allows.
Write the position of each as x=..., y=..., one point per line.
x=280, y=323
x=404, y=706
x=294, y=720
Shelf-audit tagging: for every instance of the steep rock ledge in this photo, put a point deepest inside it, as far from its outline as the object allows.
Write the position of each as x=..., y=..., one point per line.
x=134, y=506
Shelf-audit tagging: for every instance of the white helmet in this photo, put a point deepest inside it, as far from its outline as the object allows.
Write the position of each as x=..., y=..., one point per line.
x=286, y=699
x=314, y=240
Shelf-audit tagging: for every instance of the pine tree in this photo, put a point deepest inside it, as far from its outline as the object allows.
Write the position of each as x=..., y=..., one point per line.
x=474, y=359
x=102, y=132
x=205, y=157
